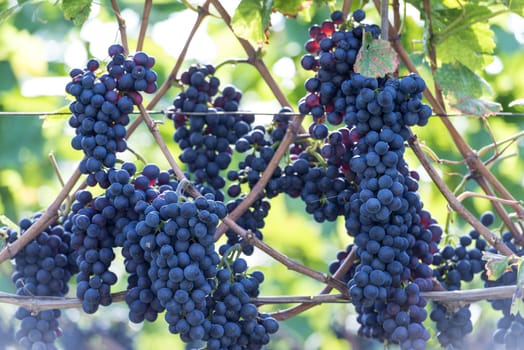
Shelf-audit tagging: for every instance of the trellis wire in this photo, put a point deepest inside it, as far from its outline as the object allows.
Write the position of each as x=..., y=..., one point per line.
x=6, y=114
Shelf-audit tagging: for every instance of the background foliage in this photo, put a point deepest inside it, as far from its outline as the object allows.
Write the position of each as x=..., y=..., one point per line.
x=38, y=46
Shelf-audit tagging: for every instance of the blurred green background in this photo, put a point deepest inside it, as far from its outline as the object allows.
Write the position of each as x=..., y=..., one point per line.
x=37, y=49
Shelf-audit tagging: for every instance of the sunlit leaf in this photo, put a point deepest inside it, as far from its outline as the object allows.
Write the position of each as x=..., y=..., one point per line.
x=472, y=46
x=288, y=7
x=517, y=6
x=496, y=265
x=480, y=108
x=459, y=79
x=464, y=89
x=375, y=58
x=76, y=10
x=519, y=104
x=251, y=20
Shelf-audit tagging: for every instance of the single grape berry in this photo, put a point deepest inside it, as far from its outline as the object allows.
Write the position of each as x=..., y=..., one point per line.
x=359, y=15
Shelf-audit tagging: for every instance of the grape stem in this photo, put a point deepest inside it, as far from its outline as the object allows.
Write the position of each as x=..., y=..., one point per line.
x=282, y=315
x=152, y=126
x=254, y=59
x=454, y=202
x=253, y=195
x=283, y=259
x=143, y=25
x=121, y=25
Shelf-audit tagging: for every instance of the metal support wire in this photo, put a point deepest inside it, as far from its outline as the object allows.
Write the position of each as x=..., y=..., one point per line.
x=5, y=114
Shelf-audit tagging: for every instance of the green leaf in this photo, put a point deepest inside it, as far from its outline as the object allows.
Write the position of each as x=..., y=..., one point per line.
x=458, y=79
x=477, y=107
x=464, y=89
x=251, y=20
x=5, y=14
x=375, y=58
x=76, y=10
x=517, y=306
x=473, y=46
x=496, y=265
x=288, y=7
x=516, y=6
x=518, y=104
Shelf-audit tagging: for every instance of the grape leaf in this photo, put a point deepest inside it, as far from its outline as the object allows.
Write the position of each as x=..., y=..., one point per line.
x=375, y=58
x=473, y=106
x=496, y=265
x=288, y=7
x=464, y=89
x=472, y=46
x=76, y=10
x=459, y=79
x=251, y=20
x=517, y=6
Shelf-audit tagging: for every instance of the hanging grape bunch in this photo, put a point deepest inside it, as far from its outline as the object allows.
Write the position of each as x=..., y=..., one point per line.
x=103, y=102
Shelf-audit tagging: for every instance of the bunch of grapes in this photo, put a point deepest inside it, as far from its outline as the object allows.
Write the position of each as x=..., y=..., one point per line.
x=178, y=243
x=42, y=268
x=103, y=102
x=383, y=210
x=332, y=52
x=206, y=139
x=235, y=321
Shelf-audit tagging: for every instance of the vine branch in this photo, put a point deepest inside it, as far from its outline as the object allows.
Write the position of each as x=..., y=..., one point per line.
x=121, y=25
x=143, y=25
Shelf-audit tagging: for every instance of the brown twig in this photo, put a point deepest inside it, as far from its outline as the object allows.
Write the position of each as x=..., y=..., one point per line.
x=203, y=12
x=282, y=315
x=384, y=22
x=40, y=303
x=396, y=17
x=346, y=6
x=253, y=57
x=121, y=25
x=454, y=202
x=289, y=137
x=47, y=218
x=143, y=25
x=151, y=125
x=284, y=260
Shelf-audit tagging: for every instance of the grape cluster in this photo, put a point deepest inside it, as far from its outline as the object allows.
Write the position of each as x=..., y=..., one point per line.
x=393, y=234
x=100, y=111
x=178, y=243
x=452, y=326
x=235, y=322
x=93, y=241
x=206, y=139
x=42, y=268
x=132, y=74
x=332, y=52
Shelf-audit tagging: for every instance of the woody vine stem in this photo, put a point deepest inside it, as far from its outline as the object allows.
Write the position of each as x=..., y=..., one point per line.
x=479, y=171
